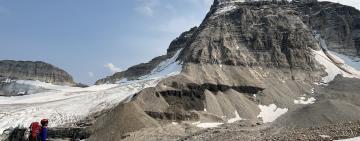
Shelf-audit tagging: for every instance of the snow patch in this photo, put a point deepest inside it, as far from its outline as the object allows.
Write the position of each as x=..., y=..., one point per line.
x=325, y=136
x=207, y=124
x=302, y=100
x=351, y=139
x=225, y=9
x=333, y=69
x=312, y=90
x=21, y=93
x=236, y=118
x=270, y=113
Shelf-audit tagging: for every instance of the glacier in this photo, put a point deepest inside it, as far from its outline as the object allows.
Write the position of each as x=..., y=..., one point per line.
x=64, y=105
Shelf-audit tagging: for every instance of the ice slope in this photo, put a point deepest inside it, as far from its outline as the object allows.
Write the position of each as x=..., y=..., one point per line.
x=335, y=64
x=64, y=105
x=350, y=61
x=168, y=67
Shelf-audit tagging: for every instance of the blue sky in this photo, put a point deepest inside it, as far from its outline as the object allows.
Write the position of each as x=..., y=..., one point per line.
x=91, y=38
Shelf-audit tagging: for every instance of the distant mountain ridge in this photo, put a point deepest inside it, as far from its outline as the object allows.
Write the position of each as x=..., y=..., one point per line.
x=30, y=70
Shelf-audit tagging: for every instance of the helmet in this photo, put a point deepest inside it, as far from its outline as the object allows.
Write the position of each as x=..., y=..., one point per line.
x=44, y=122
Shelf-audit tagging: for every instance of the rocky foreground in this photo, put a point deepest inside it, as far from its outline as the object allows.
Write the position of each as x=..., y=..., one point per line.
x=239, y=131
x=324, y=133
x=245, y=132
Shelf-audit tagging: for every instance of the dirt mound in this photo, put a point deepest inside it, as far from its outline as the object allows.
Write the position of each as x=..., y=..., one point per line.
x=125, y=118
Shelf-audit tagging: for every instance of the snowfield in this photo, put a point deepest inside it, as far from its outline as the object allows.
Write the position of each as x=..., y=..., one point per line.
x=66, y=105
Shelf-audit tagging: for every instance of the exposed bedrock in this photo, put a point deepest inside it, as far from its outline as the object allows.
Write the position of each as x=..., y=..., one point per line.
x=338, y=24
x=253, y=35
x=27, y=70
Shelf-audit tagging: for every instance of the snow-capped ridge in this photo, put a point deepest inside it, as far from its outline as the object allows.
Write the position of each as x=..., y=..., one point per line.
x=166, y=68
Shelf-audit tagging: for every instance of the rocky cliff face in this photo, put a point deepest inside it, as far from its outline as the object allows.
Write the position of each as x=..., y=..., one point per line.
x=271, y=35
x=27, y=70
x=339, y=25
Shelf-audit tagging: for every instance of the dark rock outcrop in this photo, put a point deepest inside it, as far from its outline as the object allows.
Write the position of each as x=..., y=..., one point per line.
x=28, y=70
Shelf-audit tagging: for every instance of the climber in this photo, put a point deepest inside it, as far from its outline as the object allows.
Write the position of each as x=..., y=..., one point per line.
x=43, y=133
x=34, y=131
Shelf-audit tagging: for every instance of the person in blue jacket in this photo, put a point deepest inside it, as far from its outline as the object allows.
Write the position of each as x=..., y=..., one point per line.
x=44, y=130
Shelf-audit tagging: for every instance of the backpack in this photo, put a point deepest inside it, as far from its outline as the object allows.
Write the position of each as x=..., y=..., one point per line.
x=34, y=130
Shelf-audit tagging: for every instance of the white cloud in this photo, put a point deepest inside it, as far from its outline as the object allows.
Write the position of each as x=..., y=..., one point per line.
x=179, y=24
x=91, y=74
x=112, y=68
x=146, y=7
x=205, y=3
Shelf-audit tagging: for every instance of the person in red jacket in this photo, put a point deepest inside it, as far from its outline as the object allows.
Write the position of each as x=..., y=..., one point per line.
x=34, y=131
